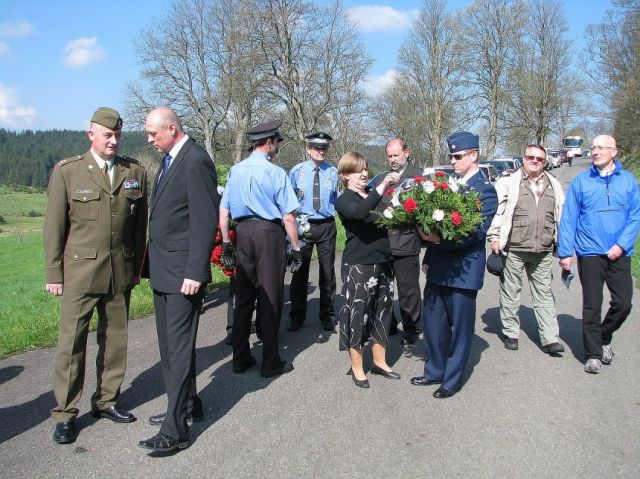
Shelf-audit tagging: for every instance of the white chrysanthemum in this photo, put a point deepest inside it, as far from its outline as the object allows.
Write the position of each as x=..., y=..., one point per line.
x=428, y=186
x=453, y=185
x=438, y=215
x=395, y=201
x=388, y=213
x=372, y=282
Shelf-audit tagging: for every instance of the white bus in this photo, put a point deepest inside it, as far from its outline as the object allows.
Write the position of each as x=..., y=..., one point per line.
x=573, y=146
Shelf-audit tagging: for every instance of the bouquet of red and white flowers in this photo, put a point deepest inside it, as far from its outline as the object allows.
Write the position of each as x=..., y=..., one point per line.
x=217, y=251
x=434, y=202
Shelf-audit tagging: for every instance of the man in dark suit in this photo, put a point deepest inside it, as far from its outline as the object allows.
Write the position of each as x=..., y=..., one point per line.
x=94, y=237
x=455, y=273
x=182, y=228
x=405, y=247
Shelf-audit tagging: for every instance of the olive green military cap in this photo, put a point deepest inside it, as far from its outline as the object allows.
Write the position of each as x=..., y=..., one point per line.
x=107, y=117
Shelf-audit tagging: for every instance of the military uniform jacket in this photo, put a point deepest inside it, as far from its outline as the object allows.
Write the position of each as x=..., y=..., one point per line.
x=94, y=235
x=460, y=264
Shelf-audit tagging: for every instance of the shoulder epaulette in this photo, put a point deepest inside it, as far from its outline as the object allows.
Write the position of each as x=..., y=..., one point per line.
x=69, y=160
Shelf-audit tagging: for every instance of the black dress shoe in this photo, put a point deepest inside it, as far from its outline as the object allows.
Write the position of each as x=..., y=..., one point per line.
x=443, y=393
x=510, y=343
x=410, y=337
x=65, y=432
x=158, y=419
x=243, y=368
x=328, y=325
x=162, y=443
x=361, y=383
x=386, y=374
x=115, y=413
x=553, y=348
x=284, y=368
x=422, y=381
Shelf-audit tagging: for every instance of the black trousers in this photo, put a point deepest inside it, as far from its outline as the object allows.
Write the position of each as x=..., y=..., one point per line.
x=259, y=275
x=595, y=271
x=323, y=236
x=406, y=270
x=177, y=319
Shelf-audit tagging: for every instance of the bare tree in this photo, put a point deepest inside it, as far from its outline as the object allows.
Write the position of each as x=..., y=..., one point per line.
x=317, y=62
x=544, y=87
x=491, y=29
x=426, y=98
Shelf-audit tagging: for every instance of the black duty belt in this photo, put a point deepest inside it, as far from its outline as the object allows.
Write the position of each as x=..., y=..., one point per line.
x=258, y=218
x=324, y=220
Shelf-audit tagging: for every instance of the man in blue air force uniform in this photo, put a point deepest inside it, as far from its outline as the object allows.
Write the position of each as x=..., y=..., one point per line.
x=316, y=185
x=455, y=273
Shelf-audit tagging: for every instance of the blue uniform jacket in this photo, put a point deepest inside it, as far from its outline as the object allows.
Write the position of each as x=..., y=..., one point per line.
x=460, y=264
x=600, y=212
x=302, y=176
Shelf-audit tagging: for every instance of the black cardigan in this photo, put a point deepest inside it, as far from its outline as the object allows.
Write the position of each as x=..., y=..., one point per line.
x=366, y=242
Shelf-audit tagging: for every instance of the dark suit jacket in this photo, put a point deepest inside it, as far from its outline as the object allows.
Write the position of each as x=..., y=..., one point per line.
x=183, y=221
x=460, y=264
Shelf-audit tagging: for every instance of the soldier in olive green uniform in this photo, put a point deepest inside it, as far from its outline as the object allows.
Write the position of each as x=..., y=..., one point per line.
x=94, y=240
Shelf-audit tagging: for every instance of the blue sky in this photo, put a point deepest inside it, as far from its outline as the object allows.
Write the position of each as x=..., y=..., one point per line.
x=60, y=59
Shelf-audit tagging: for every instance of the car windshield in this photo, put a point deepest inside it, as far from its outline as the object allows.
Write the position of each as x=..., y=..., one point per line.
x=500, y=165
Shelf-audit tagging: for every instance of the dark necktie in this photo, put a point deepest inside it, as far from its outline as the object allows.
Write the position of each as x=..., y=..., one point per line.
x=105, y=172
x=316, y=189
x=166, y=161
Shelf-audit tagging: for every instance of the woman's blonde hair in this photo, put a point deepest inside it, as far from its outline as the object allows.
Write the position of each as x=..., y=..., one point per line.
x=351, y=162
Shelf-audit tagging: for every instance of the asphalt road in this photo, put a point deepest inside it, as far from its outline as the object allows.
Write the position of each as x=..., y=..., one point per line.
x=520, y=413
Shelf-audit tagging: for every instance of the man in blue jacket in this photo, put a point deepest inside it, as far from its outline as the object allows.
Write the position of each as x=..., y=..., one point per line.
x=455, y=273
x=600, y=222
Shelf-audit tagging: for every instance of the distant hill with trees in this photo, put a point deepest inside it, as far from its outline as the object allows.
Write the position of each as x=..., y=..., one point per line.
x=27, y=157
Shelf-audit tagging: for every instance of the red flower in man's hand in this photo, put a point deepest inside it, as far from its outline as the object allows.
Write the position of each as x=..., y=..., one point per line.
x=410, y=205
x=456, y=218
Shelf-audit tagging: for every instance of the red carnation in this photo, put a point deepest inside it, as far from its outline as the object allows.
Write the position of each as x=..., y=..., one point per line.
x=444, y=185
x=419, y=179
x=215, y=255
x=456, y=218
x=440, y=174
x=410, y=205
x=390, y=192
x=232, y=236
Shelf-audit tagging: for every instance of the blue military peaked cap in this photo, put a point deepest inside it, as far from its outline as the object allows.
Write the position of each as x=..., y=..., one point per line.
x=265, y=130
x=319, y=139
x=463, y=140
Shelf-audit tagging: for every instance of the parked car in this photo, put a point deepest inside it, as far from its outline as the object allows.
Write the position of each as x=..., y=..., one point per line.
x=489, y=172
x=554, y=159
x=504, y=167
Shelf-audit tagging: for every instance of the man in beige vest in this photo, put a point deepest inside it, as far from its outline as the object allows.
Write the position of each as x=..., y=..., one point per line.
x=94, y=239
x=525, y=229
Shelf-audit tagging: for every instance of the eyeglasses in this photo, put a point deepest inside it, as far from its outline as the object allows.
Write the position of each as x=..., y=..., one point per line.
x=534, y=158
x=458, y=156
x=601, y=147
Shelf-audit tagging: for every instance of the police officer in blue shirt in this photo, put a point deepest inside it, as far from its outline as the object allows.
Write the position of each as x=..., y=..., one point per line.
x=259, y=197
x=316, y=184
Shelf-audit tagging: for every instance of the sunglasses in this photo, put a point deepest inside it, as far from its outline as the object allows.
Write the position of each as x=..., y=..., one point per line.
x=535, y=158
x=458, y=156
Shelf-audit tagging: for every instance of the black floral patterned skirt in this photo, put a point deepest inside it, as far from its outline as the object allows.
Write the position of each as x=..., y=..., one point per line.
x=368, y=301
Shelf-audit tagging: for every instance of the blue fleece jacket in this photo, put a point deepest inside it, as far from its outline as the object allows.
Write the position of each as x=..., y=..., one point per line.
x=600, y=212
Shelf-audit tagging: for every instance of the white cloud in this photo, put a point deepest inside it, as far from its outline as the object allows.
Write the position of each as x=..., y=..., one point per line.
x=373, y=86
x=4, y=48
x=381, y=18
x=82, y=52
x=15, y=29
x=12, y=114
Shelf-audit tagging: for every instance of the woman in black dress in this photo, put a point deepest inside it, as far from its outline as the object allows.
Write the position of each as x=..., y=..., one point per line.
x=367, y=281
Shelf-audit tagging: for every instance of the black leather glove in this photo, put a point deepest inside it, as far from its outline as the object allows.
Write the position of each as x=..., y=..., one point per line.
x=228, y=256
x=296, y=261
